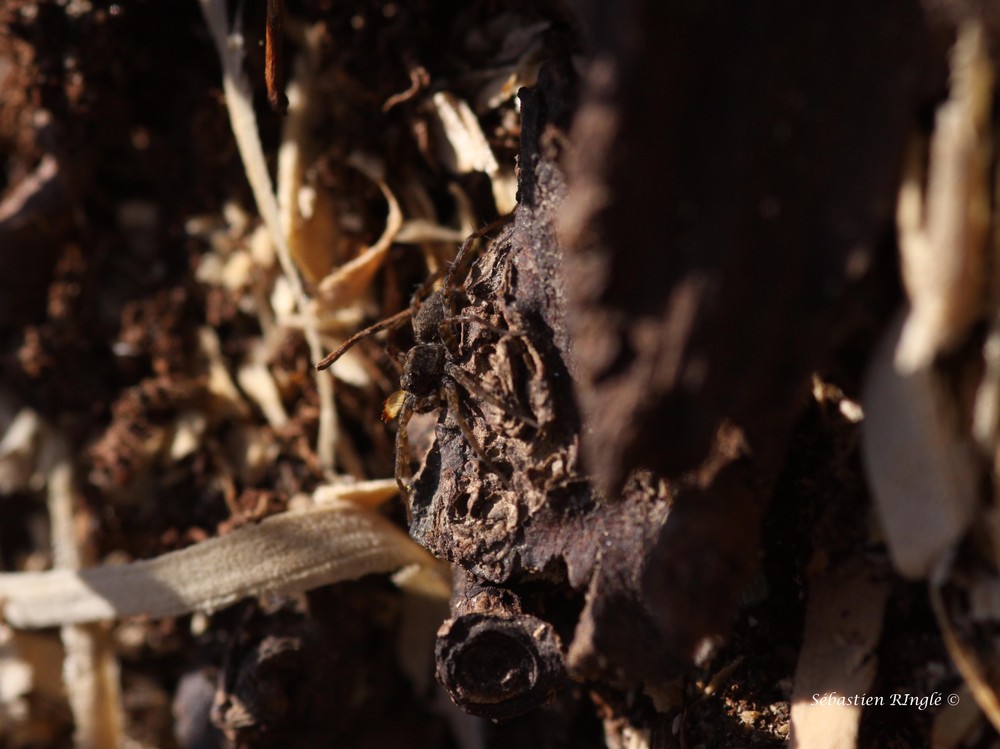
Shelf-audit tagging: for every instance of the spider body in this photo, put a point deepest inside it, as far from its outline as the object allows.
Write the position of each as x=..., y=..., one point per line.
x=430, y=380
x=423, y=369
x=430, y=377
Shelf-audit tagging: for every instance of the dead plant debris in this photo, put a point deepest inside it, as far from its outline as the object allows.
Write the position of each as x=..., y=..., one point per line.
x=687, y=314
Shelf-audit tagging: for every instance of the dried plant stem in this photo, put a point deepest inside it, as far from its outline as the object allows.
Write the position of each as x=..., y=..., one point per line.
x=286, y=553
x=90, y=669
x=239, y=102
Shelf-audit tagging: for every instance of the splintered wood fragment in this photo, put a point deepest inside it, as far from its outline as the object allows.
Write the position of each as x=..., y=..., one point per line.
x=837, y=660
x=943, y=231
x=286, y=553
x=274, y=61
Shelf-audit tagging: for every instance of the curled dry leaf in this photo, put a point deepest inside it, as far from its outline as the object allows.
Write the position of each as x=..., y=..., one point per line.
x=350, y=280
x=285, y=553
x=365, y=493
x=921, y=471
x=308, y=215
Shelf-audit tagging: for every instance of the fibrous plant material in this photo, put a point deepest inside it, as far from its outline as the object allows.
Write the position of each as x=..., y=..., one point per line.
x=239, y=102
x=286, y=553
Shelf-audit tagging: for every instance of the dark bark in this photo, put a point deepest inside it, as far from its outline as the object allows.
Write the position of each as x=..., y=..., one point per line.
x=724, y=226
x=734, y=174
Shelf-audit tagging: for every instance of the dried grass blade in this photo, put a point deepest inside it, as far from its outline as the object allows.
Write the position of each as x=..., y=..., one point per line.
x=239, y=103
x=286, y=553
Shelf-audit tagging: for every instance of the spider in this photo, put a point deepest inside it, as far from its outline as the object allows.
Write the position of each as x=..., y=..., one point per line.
x=430, y=377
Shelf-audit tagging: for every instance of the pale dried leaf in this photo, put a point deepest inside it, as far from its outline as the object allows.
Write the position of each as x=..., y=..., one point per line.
x=286, y=553
x=256, y=381
x=237, y=273
x=366, y=493
x=921, y=471
x=189, y=428
x=220, y=385
x=349, y=369
x=419, y=231
x=18, y=446
x=843, y=625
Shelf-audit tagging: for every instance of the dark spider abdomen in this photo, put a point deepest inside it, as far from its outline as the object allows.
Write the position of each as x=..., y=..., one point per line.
x=423, y=369
x=428, y=318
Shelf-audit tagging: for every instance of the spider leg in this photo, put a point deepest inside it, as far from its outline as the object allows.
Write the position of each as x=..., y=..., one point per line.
x=342, y=349
x=482, y=321
x=478, y=390
x=403, y=475
x=454, y=406
x=467, y=245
